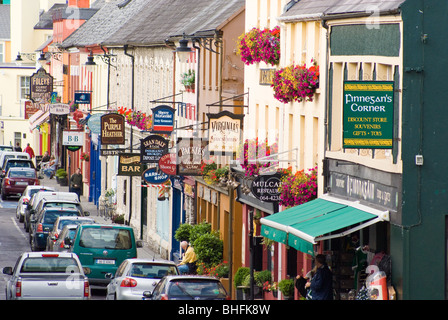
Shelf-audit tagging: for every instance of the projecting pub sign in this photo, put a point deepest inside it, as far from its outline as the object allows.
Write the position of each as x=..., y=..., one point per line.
x=41, y=86
x=368, y=114
x=112, y=129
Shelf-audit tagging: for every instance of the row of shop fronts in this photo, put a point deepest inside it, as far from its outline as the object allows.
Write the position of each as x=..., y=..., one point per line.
x=366, y=214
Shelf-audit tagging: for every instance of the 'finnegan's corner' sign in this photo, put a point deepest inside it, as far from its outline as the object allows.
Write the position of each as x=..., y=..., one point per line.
x=368, y=115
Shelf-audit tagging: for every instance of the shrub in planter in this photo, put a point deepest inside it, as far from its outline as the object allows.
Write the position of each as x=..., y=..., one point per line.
x=286, y=286
x=240, y=275
x=209, y=248
x=183, y=232
x=198, y=230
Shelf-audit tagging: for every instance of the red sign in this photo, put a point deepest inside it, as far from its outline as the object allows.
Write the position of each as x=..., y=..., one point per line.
x=167, y=164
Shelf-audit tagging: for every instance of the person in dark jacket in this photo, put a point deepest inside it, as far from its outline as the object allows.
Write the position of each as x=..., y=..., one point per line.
x=75, y=183
x=321, y=284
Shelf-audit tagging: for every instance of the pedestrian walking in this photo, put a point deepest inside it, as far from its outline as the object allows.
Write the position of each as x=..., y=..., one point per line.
x=75, y=183
x=18, y=148
x=321, y=284
x=30, y=151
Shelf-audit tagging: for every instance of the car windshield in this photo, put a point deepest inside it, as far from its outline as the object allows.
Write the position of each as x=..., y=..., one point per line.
x=34, y=191
x=63, y=222
x=153, y=271
x=190, y=288
x=49, y=264
x=65, y=205
x=22, y=174
x=107, y=238
x=51, y=216
x=19, y=164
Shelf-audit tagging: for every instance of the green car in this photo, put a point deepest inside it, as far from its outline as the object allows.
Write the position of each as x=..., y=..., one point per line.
x=102, y=248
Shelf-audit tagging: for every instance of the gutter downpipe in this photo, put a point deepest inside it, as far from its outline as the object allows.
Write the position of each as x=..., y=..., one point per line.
x=125, y=47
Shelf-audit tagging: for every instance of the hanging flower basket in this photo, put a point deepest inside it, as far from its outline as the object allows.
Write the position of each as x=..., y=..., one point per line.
x=260, y=45
x=249, y=153
x=298, y=188
x=85, y=156
x=295, y=83
x=136, y=118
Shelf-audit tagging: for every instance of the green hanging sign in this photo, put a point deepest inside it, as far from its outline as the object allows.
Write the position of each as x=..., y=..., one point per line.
x=368, y=114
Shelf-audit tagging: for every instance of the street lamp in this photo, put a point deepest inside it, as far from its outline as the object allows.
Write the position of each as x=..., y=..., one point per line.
x=183, y=50
x=90, y=61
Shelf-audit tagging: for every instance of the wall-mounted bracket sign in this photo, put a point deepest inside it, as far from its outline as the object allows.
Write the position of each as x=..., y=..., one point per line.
x=163, y=119
x=190, y=153
x=368, y=115
x=129, y=164
x=153, y=176
x=167, y=164
x=225, y=131
x=41, y=86
x=152, y=148
x=265, y=187
x=59, y=109
x=82, y=97
x=112, y=129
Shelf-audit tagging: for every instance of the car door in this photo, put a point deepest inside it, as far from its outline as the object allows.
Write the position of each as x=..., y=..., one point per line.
x=116, y=281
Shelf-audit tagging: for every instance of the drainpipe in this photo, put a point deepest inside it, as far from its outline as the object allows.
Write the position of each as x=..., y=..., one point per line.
x=125, y=47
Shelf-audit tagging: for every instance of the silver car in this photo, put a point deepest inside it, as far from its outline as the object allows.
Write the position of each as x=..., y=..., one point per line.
x=59, y=225
x=25, y=199
x=137, y=275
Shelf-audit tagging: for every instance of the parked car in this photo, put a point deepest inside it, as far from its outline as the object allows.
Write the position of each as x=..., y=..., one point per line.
x=45, y=196
x=134, y=276
x=102, y=248
x=25, y=199
x=5, y=147
x=188, y=287
x=47, y=276
x=62, y=243
x=5, y=155
x=16, y=162
x=59, y=225
x=42, y=224
x=16, y=181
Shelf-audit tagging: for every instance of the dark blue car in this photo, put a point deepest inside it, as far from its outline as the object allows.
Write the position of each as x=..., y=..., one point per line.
x=43, y=223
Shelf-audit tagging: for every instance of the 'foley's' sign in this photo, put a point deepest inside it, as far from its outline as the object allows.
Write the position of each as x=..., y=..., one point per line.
x=41, y=86
x=112, y=129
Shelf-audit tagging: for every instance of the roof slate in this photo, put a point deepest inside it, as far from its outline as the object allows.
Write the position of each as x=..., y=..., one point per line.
x=308, y=8
x=150, y=22
x=5, y=22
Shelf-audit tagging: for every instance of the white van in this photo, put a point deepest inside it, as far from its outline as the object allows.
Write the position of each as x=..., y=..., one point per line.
x=5, y=155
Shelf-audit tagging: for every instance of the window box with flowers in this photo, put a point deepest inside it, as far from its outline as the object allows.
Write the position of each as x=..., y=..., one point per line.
x=260, y=45
x=188, y=80
x=296, y=83
x=298, y=188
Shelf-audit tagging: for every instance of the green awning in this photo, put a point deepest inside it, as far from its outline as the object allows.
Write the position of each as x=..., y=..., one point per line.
x=302, y=226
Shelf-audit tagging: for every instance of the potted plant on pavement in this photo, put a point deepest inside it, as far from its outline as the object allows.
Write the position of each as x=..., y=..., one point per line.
x=238, y=279
x=286, y=286
x=61, y=177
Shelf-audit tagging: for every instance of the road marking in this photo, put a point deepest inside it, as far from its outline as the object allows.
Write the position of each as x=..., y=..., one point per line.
x=20, y=231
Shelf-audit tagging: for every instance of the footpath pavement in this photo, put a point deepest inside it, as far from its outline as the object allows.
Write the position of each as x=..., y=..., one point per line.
x=145, y=252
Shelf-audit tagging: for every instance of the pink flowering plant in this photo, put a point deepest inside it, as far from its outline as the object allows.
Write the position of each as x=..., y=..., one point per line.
x=298, y=188
x=295, y=83
x=260, y=45
x=249, y=153
x=136, y=118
